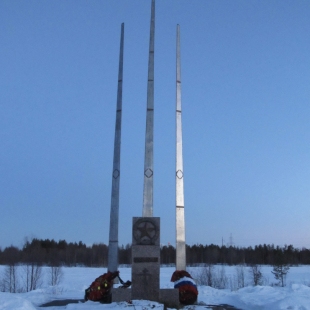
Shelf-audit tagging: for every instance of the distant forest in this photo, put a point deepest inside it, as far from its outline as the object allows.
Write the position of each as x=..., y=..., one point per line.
x=61, y=253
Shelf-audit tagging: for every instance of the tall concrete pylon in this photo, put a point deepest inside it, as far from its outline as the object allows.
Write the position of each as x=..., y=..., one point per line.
x=180, y=218
x=147, y=210
x=114, y=213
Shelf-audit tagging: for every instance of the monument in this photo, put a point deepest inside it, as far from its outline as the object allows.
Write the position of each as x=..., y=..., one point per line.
x=146, y=229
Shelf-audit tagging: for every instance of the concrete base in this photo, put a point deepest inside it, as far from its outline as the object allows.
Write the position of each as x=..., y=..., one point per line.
x=121, y=294
x=168, y=297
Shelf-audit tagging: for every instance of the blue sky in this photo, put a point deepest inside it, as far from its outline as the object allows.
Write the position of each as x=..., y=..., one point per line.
x=246, y=129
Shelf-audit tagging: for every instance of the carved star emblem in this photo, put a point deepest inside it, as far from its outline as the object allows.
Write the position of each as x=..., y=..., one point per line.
x=145, y=232
x=146, y=229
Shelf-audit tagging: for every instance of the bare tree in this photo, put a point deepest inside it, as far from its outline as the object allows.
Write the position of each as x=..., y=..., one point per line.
x=206, y=275
x=209, y=274
x=33, y=276
x=10, y=279
x=55, y=275
x=220, y=279
x=2, y=285
x=256, y=275
x=240, y=276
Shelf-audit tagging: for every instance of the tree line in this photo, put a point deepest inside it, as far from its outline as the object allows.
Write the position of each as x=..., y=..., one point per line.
x=61, y=253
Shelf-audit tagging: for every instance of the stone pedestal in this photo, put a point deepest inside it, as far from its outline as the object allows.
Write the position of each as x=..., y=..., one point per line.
x=145, y=270
x=145, y=258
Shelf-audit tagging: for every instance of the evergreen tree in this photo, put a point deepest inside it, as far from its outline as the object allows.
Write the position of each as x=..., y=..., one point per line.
x=256, y=274
x=280, y=268
x=280, y=272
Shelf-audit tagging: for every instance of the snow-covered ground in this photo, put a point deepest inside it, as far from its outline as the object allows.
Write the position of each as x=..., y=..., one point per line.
x=296, y=294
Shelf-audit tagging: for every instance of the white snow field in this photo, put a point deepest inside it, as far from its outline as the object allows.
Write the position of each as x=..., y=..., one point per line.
x=295, y=295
